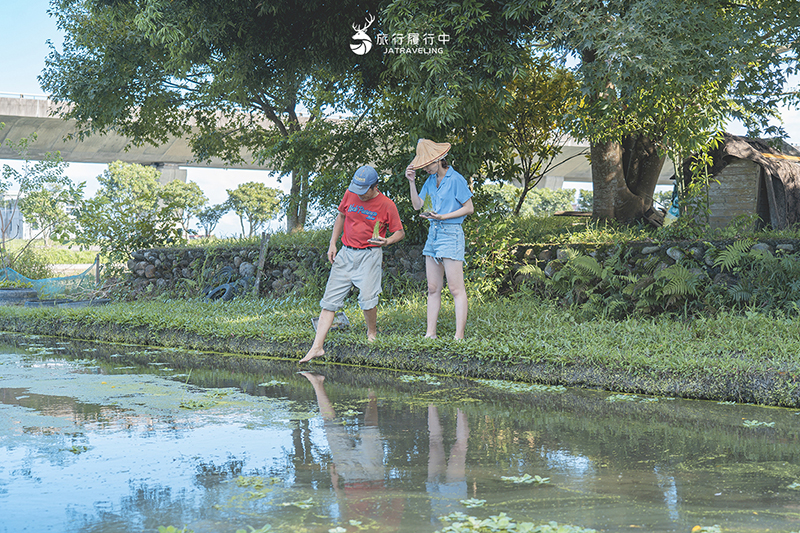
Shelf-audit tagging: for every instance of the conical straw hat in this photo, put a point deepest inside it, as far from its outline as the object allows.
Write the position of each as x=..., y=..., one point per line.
x=429, y=152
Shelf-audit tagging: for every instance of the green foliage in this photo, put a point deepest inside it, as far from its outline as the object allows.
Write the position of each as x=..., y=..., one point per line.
x=8, y=284
x=54, y=254
x=489, y=246
x=254, y=202
x=43, y=194
x=537, y=202
x=613, y=290
x=216, y=75
x=531, y=131
x=209, y=216
x=127, y=213
x=585, y=200
x=187, y=198
x=31, y=264
x=728, y=258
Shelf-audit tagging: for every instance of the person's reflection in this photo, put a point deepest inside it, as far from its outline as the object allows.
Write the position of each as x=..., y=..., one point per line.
x=357, y=469
x=447, y=481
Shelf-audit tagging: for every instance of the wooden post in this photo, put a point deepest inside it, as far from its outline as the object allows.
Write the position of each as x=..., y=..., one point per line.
x=97, y=270
x=262, y=256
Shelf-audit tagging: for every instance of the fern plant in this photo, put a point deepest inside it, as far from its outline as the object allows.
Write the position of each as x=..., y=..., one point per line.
x=731, y=256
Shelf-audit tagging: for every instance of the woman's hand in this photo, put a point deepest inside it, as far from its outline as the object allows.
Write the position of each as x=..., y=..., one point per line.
x=411, y=174
x=432, y=215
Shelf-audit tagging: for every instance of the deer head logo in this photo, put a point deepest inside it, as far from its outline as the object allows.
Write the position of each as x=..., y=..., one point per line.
x=361, y=42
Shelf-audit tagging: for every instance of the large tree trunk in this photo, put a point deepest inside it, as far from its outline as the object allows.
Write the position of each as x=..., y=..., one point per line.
x=642, y=166
x=606, y=177
x=624, y=178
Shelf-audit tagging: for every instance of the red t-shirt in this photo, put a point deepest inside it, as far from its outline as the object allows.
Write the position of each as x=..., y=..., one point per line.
x=360, y=218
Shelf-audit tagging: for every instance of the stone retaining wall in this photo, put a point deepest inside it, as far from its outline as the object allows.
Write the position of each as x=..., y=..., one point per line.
x=285, y=270
x=641, y=257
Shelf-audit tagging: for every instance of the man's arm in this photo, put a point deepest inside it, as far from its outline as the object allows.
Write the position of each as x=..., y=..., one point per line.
x=338, y=228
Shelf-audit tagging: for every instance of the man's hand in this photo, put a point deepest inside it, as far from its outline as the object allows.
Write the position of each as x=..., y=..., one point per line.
x=331, y=252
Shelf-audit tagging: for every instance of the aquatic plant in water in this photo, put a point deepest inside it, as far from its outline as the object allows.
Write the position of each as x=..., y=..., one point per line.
x=302, y=504
x=472, y=503
x=430, y=380
x=757, y=424
x=630, y=398
x=272, y=383
x=264, y=529
x=511, y=386
x=526, y=478
x=504, y=523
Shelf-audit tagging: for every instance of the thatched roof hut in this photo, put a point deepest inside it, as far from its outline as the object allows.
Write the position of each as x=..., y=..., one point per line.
x=754, y=177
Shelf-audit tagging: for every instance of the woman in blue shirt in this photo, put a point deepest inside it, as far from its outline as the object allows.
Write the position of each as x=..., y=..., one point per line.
x=451, y=202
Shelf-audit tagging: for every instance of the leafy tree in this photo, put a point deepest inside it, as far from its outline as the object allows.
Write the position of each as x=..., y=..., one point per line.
x=657, y=76
x=663, y=77
x=188, y=198
x=458, y=95
x=539, y=100
x=49, y=209
x=538, y=202
x=209, y=216
x=585, y=200
x=255, y=202
x=127, y=213
x=239, y=70
x=41, y=192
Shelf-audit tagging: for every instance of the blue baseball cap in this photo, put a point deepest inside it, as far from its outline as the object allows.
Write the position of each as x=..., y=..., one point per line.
x=364, y=178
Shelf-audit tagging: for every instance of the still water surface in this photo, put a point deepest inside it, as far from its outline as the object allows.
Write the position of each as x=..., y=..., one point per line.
x=107, y=438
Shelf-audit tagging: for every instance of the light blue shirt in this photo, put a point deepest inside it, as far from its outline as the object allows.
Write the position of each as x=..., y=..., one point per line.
x=449, y=196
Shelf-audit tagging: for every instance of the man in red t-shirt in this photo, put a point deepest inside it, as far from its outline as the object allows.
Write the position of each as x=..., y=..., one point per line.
x=363, y=211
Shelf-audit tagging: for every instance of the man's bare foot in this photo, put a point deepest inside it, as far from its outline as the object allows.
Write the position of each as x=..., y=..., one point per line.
x=315, y=379
x=371, y=338
x=312, y=353
x=430, y=336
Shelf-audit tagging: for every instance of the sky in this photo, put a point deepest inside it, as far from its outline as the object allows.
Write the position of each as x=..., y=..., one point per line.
x=26, y=29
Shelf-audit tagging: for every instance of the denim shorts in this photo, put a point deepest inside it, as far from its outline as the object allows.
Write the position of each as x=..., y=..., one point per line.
x=445, y=241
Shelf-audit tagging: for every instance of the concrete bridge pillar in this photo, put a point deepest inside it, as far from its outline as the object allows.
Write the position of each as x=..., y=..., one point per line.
x=551, y=182
x=169, y=172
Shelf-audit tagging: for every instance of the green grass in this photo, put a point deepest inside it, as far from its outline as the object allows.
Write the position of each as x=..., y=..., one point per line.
x=55, y=254
x=505, y=331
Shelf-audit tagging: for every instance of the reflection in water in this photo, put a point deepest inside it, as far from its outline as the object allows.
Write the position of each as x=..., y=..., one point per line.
x=358, y=470
x=105, y=438
x=447, y=479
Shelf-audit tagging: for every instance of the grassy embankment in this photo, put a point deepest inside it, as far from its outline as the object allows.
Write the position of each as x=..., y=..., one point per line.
x=742, y=356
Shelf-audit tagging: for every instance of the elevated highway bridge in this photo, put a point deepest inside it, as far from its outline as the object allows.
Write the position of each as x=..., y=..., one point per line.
x=27, y=114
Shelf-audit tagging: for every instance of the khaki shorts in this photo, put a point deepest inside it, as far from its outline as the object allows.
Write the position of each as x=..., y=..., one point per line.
x=359, y=268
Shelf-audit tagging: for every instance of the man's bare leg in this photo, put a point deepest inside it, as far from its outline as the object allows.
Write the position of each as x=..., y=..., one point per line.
x=371, y=319
x=324, y=324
